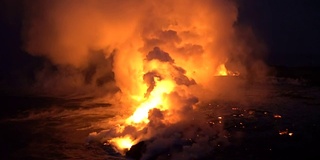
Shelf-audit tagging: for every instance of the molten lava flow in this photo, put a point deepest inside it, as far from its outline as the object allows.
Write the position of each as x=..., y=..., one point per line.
x=155, y=100
x=163, y=79
x=122, y=143
x=165, y=84
x=165, y=55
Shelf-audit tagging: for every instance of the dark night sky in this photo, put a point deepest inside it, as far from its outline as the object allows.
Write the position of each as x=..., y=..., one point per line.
x=289, y=28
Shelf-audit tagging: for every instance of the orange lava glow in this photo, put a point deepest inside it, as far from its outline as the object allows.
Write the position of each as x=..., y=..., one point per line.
x=122, y=143
x=163, y=61
x=222, y=70
x=277, y=116
x=155, y=100
x=156, y=60
x=160, y=49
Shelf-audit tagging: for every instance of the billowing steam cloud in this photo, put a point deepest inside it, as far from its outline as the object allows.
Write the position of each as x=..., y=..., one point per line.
x=77, y=37
x=139, y=47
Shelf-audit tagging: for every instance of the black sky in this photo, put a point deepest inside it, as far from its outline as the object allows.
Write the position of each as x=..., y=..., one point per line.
x=289, y=28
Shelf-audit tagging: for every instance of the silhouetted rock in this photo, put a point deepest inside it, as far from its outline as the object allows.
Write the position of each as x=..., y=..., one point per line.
x=136, y=150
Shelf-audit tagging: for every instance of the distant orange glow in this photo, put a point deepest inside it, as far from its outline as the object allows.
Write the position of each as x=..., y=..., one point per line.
x=285, y=132
x=277, y=116
x=222, y=70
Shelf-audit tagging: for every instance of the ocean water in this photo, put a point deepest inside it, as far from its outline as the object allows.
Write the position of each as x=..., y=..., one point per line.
x=282, y=121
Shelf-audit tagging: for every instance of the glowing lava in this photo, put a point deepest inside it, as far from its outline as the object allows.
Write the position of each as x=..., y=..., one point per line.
x=222, y=70
x=122, y=143
x=155, y=100
x=163, y=57
x=159, y=77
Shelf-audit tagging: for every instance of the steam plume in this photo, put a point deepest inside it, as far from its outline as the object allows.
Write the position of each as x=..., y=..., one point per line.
x=199, y=35
x=131, y=45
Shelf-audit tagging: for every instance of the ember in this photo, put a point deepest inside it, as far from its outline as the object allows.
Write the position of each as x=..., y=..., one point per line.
x=277, y=116
x=285, y=132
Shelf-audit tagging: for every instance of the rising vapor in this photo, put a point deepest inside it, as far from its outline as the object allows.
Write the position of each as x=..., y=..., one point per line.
x=75, y=36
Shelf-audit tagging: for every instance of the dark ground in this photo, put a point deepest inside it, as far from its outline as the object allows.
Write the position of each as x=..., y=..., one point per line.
x=32, y=129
